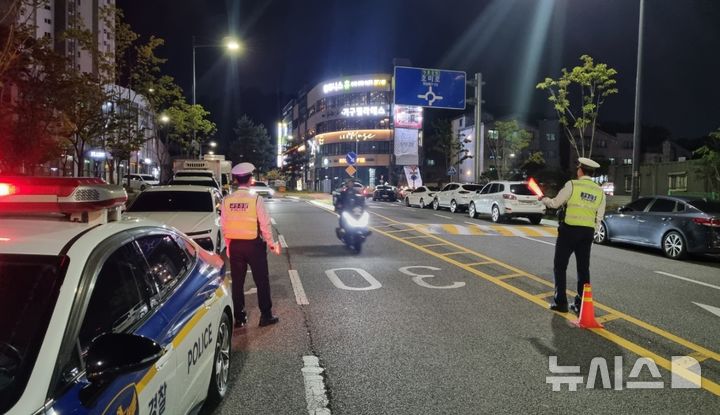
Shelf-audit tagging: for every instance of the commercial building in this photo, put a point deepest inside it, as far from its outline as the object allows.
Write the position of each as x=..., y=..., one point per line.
x=322, y=125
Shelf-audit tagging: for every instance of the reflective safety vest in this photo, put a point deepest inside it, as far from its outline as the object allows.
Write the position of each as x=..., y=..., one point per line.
x=240, y=216
x=582, y=207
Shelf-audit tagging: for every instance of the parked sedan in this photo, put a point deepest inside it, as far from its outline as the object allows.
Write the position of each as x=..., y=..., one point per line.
x=383, y=192
x=676, y=225
x=503, y=200
x=195, y=181
x=455, y=196
x=262, y=189
x=140, y=181
x=194, y=210
x=421, y=197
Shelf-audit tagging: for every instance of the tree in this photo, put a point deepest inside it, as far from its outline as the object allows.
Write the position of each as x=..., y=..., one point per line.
x=506, y=145
x=591, y=83
x=29, y=122
x=442, y=141
x=710, y=158
x=252, y=144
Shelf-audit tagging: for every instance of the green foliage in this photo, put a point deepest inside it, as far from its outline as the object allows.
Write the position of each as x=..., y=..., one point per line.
x=253, y=145
x=591, y=83
x=274, y=174
x=506, y=147
x=186, y=119
x=709, y=155
x=442, y=141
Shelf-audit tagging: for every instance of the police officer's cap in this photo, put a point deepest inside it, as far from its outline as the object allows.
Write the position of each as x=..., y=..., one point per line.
x=243, y=169
x=586, y=162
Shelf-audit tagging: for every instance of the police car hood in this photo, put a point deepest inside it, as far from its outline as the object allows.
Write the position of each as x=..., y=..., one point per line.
x=186, y=222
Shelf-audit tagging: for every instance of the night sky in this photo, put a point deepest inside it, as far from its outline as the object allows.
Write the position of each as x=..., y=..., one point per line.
x=514, y=43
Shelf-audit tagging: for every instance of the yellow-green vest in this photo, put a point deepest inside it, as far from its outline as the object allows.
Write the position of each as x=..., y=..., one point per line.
x=584, y=203
x=240, y=213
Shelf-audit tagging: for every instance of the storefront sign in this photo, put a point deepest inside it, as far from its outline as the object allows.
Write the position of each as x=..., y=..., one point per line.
x=408, y=116
x=365, y=111
x=353, y=135
x=348, y=84
x=406, y=146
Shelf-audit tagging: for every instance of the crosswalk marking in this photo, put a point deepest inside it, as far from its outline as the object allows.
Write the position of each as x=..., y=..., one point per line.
x=484, y=230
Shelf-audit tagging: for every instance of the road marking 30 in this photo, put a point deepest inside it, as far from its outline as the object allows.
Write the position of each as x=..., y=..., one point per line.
x=272, y=220
x=665, y=363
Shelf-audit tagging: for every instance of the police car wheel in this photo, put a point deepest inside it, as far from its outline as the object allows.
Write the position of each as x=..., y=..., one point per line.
x=221, y=363
x=436, y=205
x=422, y=204
x=471, y=210
x=453, y=206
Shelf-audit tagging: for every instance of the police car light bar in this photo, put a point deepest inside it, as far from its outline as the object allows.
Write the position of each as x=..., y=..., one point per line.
x=69, y=195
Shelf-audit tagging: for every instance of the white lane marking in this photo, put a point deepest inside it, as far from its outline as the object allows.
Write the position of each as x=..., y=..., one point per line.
x=538, y=240
x=253, y=290
x=442, y=216
x=315, y=393
x=300, y=296
x=714, y=310
x=272, y=220
x=667, y=274
x=293, y=197
x=283, y=242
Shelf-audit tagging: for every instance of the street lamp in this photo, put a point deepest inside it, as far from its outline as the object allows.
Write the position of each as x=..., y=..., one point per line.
x=231, y=44
x=164, y=118
x=212, y=144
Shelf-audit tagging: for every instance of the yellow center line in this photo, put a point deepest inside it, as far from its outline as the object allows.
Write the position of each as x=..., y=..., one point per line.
x=607, y=317
x=454, y=253
x=627, y=344
x=430, y=246
x=472, y=264
x=508, y=276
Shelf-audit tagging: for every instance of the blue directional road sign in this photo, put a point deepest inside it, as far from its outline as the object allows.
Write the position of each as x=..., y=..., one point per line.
x=351, y=158
x=430, y=88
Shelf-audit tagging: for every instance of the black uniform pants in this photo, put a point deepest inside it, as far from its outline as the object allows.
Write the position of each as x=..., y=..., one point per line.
x=254, y=253
x=577, y=239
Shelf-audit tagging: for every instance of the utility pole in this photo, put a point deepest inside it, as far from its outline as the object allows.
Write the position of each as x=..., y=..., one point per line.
x=635, y=193
x=479, y=153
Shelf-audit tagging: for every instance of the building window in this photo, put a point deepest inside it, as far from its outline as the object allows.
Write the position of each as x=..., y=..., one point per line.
x=430, y=162
x=677, y=181
x=628, y=183
x=48, y=21
x=550, y=137
x=611, y=160
x=627, y=161
x=493, y=134
x=627, y=145
x=550, y=154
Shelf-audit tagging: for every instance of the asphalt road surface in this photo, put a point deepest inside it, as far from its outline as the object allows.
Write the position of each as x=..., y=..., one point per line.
x=443, y=314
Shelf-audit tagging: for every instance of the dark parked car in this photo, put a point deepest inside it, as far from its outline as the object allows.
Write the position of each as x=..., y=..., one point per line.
x=677, y=225
x=384, y=193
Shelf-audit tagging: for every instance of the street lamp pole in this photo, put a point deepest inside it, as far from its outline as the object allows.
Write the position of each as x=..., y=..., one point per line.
x=194, y=98
x=635, y=192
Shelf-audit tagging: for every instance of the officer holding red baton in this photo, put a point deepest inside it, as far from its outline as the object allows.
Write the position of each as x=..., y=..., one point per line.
x=247, y=230
x=584, y=206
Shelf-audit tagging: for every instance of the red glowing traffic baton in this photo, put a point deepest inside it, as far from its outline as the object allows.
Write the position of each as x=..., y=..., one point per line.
x=532, y=184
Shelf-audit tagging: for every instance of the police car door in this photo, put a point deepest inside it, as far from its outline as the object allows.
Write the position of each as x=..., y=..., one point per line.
x=190, y=306
x=116, y=297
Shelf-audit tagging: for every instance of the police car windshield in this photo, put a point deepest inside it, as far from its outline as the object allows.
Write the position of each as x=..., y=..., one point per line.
x=173, y=201
x=29, y=287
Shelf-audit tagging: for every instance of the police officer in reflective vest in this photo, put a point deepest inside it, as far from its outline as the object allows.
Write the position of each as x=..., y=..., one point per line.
x=246, y=227
x=584, y=206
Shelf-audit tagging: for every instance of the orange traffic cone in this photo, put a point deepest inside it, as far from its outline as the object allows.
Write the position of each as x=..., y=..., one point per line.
x=587, y=311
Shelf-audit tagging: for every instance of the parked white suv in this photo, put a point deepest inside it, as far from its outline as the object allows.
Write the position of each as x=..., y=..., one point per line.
x=502, y=200
x=140, y=181
x=455, y=196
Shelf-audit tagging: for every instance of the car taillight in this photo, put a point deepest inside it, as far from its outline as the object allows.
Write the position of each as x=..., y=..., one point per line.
x=6, y=189
x=712, y=222
x=509, y=196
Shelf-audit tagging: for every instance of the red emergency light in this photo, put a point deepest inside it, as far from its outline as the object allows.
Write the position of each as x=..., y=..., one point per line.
x=532, y=184
x=21, y=194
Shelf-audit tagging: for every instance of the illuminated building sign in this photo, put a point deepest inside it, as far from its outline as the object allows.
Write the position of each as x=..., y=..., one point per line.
x=353, y=135
x=365, y=111
x=347, y=85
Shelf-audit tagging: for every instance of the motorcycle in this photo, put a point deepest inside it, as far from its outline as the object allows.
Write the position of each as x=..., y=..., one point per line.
x=353, y=228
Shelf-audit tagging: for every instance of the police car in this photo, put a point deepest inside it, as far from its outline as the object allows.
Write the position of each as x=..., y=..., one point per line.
x=105, y=316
